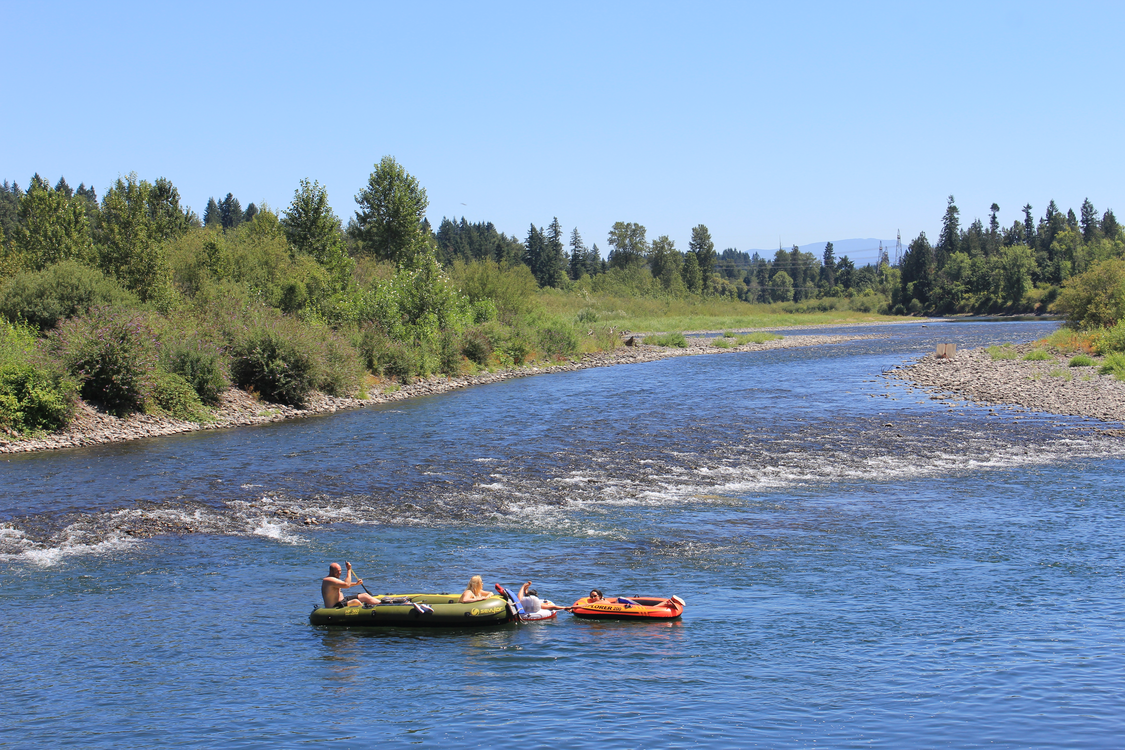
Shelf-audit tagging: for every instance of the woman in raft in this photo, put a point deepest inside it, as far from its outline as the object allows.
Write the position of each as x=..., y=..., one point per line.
x=475, y=592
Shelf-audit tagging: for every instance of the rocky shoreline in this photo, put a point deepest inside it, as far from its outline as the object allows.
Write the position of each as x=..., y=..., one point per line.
x=93, y=427
x=1045, y=386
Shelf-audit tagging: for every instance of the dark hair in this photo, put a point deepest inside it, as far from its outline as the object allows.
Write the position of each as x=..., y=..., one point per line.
x=532, y=592
x=597, y=591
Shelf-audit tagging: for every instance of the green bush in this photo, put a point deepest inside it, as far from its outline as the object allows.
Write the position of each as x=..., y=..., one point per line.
x=558, y=339
x=1037, y=355
x=111, y=354
x=34, y=399
x=667, y=339
x=476, y=346
x=516, y=342
x=722, y=343
x=340, y=366
x=1002, y=352
x=1081, y=360
x=61, y=291
x=274, y=363
x=173, y=395
x=387, y=357
x=449, y=354
x=1096, y=298
x=201, y=366
x=1111, y=339
x=1114, y=364
x=586, y=317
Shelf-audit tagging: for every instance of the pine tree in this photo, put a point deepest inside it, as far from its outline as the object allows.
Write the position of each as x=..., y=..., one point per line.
x=63, y=188
x=1110, y=227
x=212, y=216
x=230, y=212
x=704, y=250
x=1089, y=221
x=828, y=269
x=577, y=255
x=388, y=222
x=950, y=234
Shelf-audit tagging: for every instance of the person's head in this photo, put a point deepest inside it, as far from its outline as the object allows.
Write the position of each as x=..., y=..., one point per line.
x=476, y=584
x=334, y=570
x=595, y=595
x=532, y=592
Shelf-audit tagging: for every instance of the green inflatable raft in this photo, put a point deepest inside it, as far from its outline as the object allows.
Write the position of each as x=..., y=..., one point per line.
x=417, y=611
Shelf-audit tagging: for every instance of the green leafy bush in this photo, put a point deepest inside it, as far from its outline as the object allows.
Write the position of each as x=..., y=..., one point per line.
x=1114, y=364
x=34, y=399
x=1096, y=298
x=61, y=291
x=1081, y=360
x=201, y=366
x=113, y=356
x=387, y=357
x=1002, y=352
x=1111, y=339
x=173, y=395
x=449, y=354
x=1037, y=355
x=558, y=339
x=340, y=366
x=722, y=343
x=476, y=345
x=667, y=339
x=275, y=364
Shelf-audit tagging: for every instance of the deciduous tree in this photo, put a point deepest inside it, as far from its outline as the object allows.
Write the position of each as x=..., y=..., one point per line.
x=388, y=222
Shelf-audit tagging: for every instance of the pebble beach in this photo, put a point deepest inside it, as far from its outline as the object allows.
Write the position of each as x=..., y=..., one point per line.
x=1049, y=386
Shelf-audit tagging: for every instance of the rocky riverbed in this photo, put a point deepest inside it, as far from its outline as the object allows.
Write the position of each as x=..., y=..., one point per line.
x=1045, y=386
x=92, y=426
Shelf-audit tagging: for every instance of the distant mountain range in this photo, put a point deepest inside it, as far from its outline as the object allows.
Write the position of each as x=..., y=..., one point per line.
x=861, y=252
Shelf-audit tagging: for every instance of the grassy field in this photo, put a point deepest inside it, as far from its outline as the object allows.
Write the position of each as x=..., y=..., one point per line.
x=649, y=315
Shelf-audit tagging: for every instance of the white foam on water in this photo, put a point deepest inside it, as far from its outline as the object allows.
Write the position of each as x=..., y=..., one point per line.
x=280, y=531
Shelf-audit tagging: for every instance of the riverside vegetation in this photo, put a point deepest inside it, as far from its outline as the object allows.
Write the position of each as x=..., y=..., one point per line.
x=137, y=305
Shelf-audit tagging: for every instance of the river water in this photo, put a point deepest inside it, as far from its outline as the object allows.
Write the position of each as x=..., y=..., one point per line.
x=864, y=566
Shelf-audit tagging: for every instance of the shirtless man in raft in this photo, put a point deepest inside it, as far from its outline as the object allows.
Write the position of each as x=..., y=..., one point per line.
x=332, y=589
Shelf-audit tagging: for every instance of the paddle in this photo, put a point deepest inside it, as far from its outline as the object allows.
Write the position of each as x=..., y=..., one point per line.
x=358, y=579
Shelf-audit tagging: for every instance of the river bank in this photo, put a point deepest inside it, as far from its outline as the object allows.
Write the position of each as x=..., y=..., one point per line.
x=1045, y=386
x=238, y=408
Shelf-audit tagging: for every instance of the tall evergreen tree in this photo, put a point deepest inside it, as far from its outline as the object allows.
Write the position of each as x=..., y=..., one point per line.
x=534, y=247
x=1089, y=221
x=828, y=267
x=704, y=250
x=1110, y=227
x=993, y=244
x=212, y=215
x=950, y=233
x=918, y=270
x=63, y=188
x=577, y=261
x=1029, y=238
x=230, y=212
x=554, y=256
x=250, y=212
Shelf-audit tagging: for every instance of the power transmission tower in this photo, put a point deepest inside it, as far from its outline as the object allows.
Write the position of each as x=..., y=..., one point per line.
x=898, y=250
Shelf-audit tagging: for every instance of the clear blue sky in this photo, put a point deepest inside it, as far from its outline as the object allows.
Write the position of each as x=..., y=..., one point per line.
x=794, y=122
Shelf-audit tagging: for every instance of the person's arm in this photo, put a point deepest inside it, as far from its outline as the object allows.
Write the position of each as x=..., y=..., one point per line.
x=523, y=590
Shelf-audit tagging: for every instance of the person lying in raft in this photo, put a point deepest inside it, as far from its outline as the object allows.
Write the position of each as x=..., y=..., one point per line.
x=531, y=602
x=597, y=596
x=332, y=589
x=475, y=592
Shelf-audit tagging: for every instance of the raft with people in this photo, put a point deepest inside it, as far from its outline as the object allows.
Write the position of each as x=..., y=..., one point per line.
x=417, y=610
x=628, y=607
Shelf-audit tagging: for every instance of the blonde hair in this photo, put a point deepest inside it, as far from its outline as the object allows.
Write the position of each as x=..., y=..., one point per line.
x=476, y=584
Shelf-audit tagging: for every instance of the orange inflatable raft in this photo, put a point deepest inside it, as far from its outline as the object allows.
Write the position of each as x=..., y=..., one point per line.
x=629, y=608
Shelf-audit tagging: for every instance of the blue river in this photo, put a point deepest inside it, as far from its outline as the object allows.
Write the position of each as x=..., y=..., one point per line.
x=863, y=566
